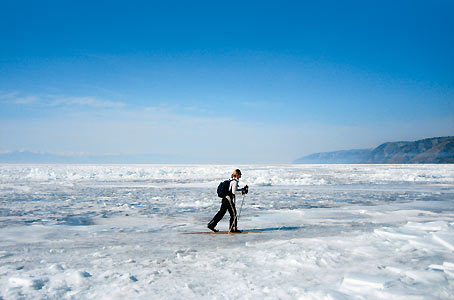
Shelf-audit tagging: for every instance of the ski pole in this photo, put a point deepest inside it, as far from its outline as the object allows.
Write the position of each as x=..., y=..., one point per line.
x=237, y=217
x=241, y=207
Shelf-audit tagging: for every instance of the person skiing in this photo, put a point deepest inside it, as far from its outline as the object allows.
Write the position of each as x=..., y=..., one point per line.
x=228, y=204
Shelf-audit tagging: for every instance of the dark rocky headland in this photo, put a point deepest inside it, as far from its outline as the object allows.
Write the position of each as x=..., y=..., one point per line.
x=438, y=150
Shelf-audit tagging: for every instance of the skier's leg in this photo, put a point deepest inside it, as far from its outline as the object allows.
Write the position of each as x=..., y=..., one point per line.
x=233, y=216
x=220, y=214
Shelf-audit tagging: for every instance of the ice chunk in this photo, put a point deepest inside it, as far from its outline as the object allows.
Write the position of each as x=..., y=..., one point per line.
x=445, y=239
x=391, y=234
x=56, y=268
x=325, y=295
x=36, y=284
x=429, y=277
x=447, y=267
x=78, y=277
x=4, y=254
x=358, y=281
x=429, y=226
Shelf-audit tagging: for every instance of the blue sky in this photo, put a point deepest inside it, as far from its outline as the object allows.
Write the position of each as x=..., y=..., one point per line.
x=233, y=82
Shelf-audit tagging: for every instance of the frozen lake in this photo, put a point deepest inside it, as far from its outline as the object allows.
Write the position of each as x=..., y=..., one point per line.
x=321, y=232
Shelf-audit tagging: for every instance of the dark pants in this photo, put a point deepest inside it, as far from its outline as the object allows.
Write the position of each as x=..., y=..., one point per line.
x=225, y=206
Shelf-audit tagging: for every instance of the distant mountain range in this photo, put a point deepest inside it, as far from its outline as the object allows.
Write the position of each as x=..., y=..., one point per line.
x=427, y=151
x=52, y=158
x=438, y=150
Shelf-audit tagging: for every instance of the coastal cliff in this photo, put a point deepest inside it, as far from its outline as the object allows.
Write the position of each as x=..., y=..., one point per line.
x=438, y=150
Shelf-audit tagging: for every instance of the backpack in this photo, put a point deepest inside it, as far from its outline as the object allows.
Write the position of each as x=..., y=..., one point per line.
x=224, y=188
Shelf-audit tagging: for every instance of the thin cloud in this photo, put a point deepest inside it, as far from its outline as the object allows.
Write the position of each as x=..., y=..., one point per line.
x=258, y=104
x=6, y=96
x=55, y=100
x=87, y=101
x=16, y=98
x=26, y=100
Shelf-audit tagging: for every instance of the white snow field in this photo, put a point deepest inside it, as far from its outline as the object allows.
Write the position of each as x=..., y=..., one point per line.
x=319, y=232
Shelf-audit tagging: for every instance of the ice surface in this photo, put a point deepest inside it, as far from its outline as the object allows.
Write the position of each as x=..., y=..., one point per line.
x=322, y=232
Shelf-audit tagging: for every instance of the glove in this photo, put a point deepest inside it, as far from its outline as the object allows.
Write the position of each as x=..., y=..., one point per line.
x=245, y=189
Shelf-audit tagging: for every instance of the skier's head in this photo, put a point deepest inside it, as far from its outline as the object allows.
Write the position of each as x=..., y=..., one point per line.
x=236, y=174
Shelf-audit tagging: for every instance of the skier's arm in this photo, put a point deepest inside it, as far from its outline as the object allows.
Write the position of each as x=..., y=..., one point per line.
x=235, y=188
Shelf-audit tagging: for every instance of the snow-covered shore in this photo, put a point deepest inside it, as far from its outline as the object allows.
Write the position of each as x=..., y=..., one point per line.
x=321, y=232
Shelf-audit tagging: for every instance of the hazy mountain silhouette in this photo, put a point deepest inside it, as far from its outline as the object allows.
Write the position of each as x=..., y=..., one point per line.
x=436, y=150
x=44, y=157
